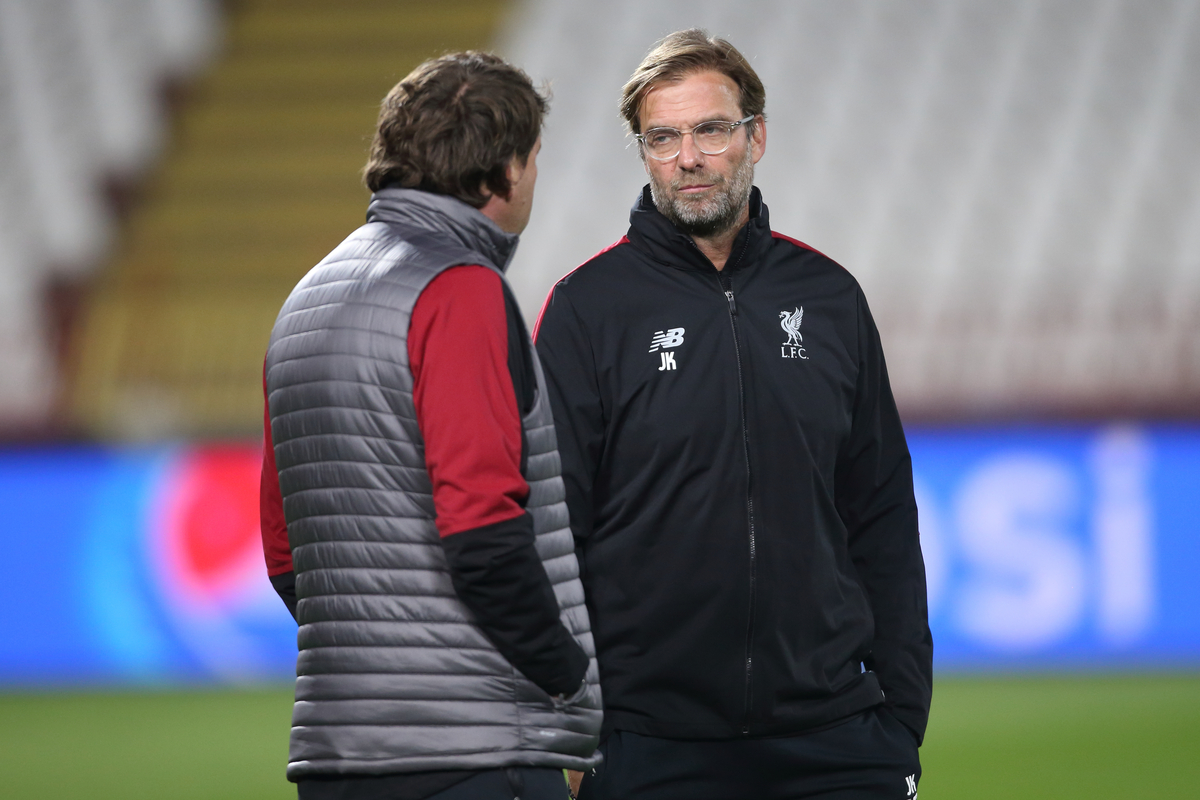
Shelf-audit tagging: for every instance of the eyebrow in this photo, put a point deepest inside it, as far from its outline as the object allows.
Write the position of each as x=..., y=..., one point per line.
x=689, y=127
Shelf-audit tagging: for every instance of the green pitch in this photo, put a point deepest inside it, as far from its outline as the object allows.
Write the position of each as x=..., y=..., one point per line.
x=1063, y=738
x=218, y=745
x=1028, y=738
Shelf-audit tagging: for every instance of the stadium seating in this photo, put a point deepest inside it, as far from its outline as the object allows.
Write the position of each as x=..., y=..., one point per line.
x=80, y=105
x=1015, y=184
x=261, y=182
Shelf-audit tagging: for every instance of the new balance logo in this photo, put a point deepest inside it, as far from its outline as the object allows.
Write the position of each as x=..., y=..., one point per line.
x=672, y=338
x=911, y=780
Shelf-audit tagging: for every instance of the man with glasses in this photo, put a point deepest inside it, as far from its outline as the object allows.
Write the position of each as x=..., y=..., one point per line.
x=738, y=479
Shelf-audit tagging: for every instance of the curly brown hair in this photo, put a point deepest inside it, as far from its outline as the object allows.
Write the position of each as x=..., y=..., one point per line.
x=681, y=54
x=453, y=125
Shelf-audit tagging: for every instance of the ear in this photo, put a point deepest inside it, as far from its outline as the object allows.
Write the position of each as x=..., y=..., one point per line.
x=513, y=172
x=758, y=139
x=496, y=207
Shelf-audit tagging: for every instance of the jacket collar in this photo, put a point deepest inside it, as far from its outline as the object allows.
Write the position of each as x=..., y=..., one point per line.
x=447, y=216
x=657, y=237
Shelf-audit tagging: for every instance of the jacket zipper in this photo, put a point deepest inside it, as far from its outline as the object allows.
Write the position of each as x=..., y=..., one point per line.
x=727, y=286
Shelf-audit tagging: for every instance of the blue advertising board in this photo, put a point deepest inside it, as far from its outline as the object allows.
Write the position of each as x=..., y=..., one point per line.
x=1045, y=548
x=131, y=565
x=1061, y=547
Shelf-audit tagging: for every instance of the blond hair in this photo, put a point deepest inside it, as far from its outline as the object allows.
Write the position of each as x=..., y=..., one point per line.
x=681, y=54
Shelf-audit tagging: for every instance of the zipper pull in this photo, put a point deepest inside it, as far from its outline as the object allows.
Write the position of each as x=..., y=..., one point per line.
x=732, y=302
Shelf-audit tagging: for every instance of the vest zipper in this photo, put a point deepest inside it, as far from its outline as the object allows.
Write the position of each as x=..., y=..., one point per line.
x=727, y=286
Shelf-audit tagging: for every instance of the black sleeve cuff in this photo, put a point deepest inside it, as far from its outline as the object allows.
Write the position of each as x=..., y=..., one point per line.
x=285, y=586
x=498, y=575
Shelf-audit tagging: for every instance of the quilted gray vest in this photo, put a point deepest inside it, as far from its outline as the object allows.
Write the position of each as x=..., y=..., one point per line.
x=392, y=674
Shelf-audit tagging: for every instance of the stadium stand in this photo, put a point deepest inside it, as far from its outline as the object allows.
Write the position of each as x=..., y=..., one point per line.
x=1016, y=184
x=80, y=107
x=261, y=183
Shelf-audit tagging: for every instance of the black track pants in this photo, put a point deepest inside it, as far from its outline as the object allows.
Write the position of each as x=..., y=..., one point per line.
x=506, y=783
x=870, y=757
x=513, y=783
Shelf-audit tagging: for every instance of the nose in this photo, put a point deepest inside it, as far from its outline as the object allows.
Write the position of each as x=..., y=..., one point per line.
x=689, y=154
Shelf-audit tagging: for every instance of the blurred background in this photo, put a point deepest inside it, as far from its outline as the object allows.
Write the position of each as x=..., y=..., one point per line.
x=1015, y=183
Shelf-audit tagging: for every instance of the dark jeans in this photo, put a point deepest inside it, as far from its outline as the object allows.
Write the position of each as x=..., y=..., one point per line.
x=871, y=756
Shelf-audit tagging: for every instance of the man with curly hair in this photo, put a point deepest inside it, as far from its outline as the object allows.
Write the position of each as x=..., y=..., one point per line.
x=413, y=512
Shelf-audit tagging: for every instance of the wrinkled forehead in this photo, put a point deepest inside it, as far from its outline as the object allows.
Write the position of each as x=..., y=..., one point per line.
x=686, y=100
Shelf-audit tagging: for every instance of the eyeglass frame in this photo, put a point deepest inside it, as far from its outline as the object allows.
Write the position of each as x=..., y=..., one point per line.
x=641, y=137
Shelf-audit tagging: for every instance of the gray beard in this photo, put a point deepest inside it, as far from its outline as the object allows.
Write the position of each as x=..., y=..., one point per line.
x=715, y=215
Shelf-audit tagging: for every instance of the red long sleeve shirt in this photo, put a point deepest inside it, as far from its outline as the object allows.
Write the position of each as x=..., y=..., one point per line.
x=466, y=408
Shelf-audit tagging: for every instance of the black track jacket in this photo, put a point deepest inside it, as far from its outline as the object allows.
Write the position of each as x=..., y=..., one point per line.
x=739, y=485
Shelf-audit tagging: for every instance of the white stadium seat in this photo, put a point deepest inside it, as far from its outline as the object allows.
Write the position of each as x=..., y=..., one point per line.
x=1016, y=184
x=80, y=103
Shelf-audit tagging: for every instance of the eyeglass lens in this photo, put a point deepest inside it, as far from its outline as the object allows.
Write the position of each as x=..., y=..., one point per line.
x=712, y=138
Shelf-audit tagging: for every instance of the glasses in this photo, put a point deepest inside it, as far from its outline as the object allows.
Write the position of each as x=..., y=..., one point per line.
x=711, y=138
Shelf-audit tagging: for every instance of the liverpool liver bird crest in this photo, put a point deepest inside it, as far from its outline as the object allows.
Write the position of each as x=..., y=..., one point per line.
x=790, y=322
